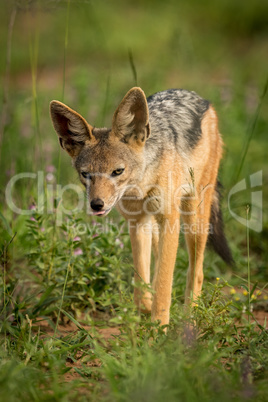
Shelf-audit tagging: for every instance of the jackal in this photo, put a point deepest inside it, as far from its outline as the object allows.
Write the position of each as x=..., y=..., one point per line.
x=159, y=161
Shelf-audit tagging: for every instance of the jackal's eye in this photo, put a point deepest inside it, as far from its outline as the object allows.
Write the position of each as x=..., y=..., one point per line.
x=86, y=175
x=117, y=172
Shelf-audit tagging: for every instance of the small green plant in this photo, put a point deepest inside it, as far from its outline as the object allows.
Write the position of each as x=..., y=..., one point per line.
x=69, y=329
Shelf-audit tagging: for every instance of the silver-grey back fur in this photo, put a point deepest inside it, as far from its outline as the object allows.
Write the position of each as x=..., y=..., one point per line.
x=175, y=117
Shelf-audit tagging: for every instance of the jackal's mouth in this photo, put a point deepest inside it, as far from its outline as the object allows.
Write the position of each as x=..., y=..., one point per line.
x=101, y=213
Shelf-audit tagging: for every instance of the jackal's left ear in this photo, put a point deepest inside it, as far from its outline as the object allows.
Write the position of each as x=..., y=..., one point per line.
x=131, y=118
x=71, y=127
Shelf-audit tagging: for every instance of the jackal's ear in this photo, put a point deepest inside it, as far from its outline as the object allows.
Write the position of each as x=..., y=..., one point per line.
x=72, y=129
x=131, y=118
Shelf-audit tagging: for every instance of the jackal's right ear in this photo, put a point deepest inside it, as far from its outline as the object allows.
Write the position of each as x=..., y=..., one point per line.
x=72, y=129
x=131, y=118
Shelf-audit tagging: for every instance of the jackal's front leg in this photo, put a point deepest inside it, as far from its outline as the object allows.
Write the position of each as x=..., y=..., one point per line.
x=162, y=283
x=196, y=238
x=141, y=240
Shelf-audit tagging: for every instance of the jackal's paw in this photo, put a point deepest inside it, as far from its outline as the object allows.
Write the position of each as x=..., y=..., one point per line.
x=144, y=302
x=162, y=316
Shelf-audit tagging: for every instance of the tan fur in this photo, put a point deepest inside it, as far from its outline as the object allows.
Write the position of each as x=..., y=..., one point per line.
x=209, y=152
x=204, y=163
x=156, y=189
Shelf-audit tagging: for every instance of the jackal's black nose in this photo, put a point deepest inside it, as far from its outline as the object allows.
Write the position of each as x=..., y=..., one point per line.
x=97, y=204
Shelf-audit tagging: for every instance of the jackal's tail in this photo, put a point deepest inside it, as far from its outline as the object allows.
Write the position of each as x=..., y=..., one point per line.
x=216, y=238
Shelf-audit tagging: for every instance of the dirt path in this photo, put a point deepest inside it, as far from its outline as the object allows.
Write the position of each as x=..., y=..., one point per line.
x=107, y=333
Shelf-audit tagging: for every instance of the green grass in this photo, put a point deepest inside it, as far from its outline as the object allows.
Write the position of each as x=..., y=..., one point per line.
x=79, y=272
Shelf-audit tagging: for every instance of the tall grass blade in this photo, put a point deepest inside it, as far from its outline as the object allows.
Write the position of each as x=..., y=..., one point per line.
x=133, y=67
x=249, y=293
x=250, y=132
x=63, y=291
x=4, y=285
x=107, y=94
x=65, y=48
x=72, y=319
x=7, y=75
x=59, y=150
x=6, y=224
x=34, y=48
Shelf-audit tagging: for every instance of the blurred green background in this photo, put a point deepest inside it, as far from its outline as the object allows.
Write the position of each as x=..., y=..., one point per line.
x=88, y=54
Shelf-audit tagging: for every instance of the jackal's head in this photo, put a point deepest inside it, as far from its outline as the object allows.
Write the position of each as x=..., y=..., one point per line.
x=108, y=161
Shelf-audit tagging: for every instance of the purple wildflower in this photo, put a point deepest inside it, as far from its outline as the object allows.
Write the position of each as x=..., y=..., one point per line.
x=50, y=168
x=78, y=251
x=117, y=241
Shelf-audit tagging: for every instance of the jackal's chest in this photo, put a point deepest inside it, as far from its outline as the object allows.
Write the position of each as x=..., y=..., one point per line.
x=134, y=203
